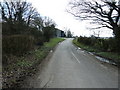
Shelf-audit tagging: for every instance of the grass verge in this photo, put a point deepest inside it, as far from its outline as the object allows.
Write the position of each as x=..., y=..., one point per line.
x=108, y=55
x=19, y=67
x=42, y=52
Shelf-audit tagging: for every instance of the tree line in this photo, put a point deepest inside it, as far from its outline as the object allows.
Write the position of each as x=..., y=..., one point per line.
x=20, y=17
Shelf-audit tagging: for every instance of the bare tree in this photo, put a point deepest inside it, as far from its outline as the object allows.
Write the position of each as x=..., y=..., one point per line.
x=105, y=13
x=37, y=22
x=17, y=14
x=48, y=22
x=12, y=10
x=69, y=34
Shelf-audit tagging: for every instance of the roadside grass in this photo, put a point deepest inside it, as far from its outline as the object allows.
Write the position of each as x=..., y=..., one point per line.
x=85, y=47
x=24, y=63
x=40, y=53
x=108, y=55
x=20, y=67
x=44, y=50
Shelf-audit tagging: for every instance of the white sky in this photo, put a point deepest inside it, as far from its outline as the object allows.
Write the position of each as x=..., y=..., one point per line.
x=55, y=9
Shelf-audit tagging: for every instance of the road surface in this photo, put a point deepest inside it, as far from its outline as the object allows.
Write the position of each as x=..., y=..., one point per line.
x=70, y=67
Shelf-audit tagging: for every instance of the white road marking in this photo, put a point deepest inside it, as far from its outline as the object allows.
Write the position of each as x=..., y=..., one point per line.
x=103, y=66
x=84, y=54
x=75, y=57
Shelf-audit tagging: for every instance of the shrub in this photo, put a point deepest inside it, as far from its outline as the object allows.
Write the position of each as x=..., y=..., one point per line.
x=48, y=32
x=112, y=44
x=40, y=41
x=99, y=43
x=105, y=44
x=38, y=36
x=17, y=44
x=86, y=40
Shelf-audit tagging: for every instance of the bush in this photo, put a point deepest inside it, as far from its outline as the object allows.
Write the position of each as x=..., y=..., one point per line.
x=38, y=36
x=112, y=44
x=105, y=44
x=40, y=41
x=87, y=40
x=48, y=32
x=17, y=44
x=99, y=43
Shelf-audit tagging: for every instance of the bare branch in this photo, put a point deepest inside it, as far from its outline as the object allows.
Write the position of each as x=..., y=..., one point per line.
x=98, y=12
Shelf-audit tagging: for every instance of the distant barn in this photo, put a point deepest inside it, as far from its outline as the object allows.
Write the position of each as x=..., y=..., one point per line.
x=59, y=33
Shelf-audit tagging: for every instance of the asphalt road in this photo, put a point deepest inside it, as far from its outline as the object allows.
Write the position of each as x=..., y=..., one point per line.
x=70, y=67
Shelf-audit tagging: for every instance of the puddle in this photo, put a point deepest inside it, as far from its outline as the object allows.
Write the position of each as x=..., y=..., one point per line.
x=90, y=53
x=83, y=51
x=105, y=60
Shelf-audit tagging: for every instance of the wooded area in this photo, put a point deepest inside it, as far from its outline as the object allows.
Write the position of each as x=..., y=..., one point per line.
x=23, y=27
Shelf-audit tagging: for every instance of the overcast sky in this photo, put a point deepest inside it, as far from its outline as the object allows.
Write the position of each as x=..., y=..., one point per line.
x=56, y=10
